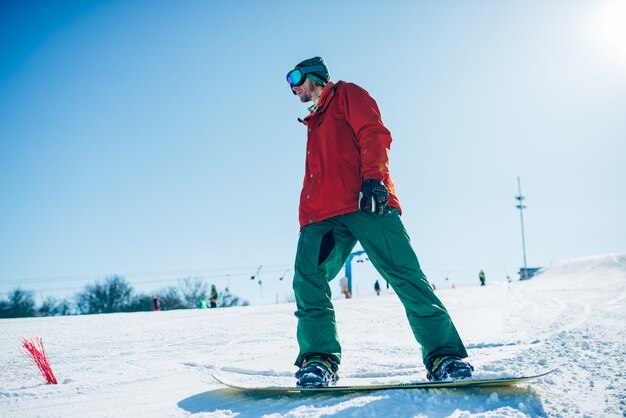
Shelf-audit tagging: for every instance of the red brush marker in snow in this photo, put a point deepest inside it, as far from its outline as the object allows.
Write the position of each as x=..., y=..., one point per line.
x=36, y=353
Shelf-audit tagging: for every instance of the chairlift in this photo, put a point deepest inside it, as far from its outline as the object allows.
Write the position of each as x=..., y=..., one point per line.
x=258, y=270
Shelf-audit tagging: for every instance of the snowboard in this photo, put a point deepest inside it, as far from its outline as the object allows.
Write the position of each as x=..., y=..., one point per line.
x=446, y=384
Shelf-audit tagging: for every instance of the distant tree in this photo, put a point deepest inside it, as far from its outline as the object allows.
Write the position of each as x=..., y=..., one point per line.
x=140, y=303
x=113, y=295
x=191, y=290
x=227, y=300
x=54, y=307
x=18, y=304
x=171, y=299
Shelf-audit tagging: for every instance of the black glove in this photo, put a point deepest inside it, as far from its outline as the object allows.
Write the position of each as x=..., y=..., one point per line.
x=374, y=196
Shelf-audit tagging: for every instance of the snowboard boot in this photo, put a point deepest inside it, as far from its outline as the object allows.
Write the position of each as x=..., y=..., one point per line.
x=449, y=368
x=317, y=372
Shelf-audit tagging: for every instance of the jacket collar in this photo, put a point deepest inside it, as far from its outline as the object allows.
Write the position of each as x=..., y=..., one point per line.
x=322, y=103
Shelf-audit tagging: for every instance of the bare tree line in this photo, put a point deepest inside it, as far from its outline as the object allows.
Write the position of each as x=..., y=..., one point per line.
x=113, y=294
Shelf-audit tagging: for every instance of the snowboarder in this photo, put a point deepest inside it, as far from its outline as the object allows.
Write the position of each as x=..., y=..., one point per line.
x=481, y=277
x=213, y=297
x=348, y=196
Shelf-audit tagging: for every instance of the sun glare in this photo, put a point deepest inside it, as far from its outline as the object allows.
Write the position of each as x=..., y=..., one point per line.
x=609, y=29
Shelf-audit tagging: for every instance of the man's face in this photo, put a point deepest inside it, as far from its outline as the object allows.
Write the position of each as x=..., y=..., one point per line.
x=306, y=91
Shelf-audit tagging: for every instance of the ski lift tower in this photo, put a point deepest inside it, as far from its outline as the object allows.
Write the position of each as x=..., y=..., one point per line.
x=521, y=207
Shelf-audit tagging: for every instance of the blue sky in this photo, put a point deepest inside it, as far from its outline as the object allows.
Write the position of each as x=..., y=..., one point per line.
x=158, y=140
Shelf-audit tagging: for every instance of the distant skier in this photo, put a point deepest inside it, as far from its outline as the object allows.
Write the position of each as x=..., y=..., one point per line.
x=481, y=276
x=156, y=303
x=213, y=297
x=348, y=196
x=343, y=284
x=377, y=288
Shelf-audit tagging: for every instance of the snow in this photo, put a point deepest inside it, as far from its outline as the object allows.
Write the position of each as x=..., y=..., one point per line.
x=570, y=317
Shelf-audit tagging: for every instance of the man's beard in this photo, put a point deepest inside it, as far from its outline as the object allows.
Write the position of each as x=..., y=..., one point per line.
x=306, y=97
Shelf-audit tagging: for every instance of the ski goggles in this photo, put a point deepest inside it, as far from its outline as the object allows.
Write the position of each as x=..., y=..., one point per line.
x=297, y=76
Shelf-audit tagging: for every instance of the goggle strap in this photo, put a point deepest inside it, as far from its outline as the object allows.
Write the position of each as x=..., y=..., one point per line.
x=311, y=69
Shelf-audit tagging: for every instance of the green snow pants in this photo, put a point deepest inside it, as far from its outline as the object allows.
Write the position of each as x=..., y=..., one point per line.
x=323, y=248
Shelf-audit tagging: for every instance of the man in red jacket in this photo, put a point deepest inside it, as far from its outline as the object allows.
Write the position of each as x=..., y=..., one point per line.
x=348, y=196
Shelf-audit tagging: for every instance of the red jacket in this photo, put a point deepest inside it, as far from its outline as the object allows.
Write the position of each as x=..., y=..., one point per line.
x=346, y=144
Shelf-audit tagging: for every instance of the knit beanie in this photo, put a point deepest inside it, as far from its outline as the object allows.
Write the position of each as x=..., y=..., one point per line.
x=321, y=77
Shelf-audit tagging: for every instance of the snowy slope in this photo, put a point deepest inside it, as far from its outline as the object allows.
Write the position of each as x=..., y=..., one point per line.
x=570, y=317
